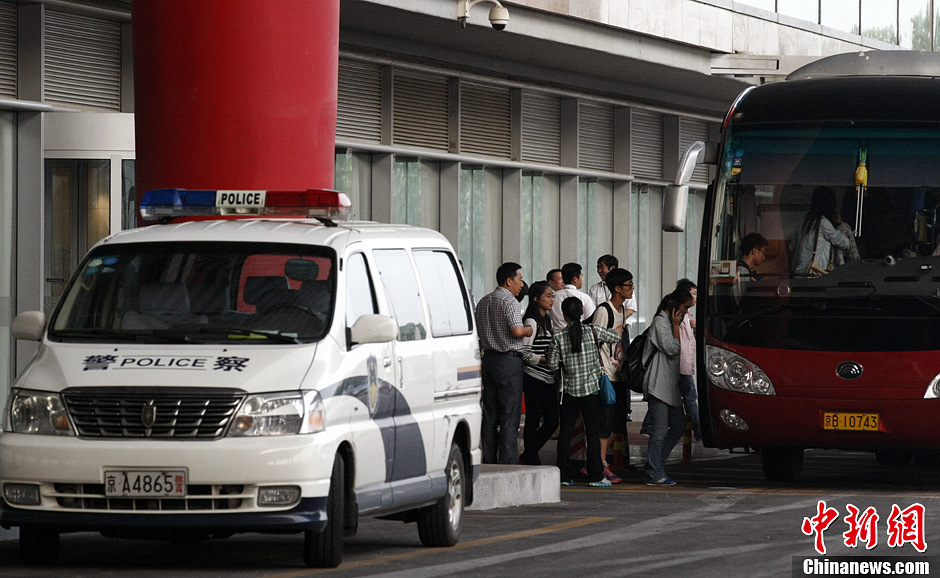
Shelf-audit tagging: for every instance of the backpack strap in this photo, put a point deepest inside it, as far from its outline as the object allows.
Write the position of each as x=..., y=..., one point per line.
x=610, y=314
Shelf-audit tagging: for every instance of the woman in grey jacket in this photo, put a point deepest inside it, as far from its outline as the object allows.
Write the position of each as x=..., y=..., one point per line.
x=661, y=385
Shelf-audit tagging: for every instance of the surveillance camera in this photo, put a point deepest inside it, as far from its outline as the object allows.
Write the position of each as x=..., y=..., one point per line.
x=499, y=17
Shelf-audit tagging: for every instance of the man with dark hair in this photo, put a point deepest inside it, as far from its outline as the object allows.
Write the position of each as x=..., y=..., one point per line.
x=499, y=323
x=554, y=279
x=613, y=314
x=753, y=253
x=599, y=291
x=573, y=277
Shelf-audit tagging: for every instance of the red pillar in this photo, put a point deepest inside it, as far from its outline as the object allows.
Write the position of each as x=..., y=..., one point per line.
x=235, y=94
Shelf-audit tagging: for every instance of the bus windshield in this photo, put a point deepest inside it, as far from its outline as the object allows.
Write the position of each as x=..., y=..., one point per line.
x=199, y=292
x=844, y=256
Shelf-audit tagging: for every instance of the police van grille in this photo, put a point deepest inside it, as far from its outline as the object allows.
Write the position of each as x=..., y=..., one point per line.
x=199, y=498
x=169, y=413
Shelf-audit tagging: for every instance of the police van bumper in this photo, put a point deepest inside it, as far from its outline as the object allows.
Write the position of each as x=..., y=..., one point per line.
x=276, y=482
x=309, y=514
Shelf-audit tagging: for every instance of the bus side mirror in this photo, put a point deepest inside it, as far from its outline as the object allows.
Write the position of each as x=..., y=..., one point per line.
x=676, y=196
x=29, y=325
x=675, y=205
x=373, y=328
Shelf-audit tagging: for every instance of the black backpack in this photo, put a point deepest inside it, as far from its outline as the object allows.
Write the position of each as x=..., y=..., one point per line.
x=633, y=368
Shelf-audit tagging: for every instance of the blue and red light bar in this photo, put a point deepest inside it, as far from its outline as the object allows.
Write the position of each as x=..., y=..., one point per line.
x=182, y=203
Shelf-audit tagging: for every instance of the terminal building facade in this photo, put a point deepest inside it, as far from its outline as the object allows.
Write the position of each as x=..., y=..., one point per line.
x=544, y=143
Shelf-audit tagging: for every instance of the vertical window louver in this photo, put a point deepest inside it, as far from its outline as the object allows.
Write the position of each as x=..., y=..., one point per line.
x=541, y=128
x=420, y=110
x=595, y=136
x=485, y=120
x=690, y=131
x=359, y=107
x=646, y=144
x=8, y=49
x=82, y=65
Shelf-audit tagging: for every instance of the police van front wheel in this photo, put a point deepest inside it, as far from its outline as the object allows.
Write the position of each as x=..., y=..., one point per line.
x=324, y=549
x=39, y=545
x=439, y=524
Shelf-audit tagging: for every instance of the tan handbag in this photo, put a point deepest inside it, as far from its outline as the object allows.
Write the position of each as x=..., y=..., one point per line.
x=815, y=269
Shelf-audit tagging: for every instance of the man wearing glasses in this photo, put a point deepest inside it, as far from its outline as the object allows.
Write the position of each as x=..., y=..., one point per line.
x=753, y=253
x=615, y=313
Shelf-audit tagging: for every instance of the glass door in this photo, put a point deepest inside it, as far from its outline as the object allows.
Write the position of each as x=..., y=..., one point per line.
x=78, y=214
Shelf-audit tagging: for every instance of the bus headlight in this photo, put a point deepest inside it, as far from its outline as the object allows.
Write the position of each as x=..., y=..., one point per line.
x=933, y=390
x=278, y=414
x=37, y=412
x=730, y=371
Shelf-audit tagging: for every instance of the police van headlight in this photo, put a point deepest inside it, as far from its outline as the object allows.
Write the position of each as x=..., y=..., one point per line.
x=280, y=414
x=733, y=372
x=37, y=412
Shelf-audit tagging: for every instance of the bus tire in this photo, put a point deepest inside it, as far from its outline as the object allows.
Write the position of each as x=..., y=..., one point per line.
x=782, y=464
x=324, y=549
x=893, y=458
x=439, y=524
x=39, y=545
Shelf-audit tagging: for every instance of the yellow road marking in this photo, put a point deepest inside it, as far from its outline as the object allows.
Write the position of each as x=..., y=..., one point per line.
x=460, y=546
x=854, y=493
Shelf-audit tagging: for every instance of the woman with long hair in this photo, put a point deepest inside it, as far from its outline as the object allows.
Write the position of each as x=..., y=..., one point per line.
x=661, y=384
x=541, y=395
x=577, y=352
x=818, y=233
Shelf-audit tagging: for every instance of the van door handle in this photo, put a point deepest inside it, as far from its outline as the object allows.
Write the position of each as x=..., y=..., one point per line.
x=386, y=362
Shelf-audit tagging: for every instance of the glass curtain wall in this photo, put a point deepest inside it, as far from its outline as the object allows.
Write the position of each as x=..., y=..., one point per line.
x=907, y=23
x=689, y=239
x=352, y=174
x=416, y=193
x=639, y=261
x=595, y=226
x=479, y=236
x=7, y=162
x=539, y=226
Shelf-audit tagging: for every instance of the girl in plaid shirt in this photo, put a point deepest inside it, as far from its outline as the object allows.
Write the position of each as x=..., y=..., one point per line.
x=576, y=351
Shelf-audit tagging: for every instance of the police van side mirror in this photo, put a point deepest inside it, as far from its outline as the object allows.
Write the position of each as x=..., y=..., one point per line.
x=29, y=325
x=373, y=328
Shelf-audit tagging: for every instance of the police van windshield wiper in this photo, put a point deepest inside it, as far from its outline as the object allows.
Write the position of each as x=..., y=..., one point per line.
x=122, y=335
x=235, y=332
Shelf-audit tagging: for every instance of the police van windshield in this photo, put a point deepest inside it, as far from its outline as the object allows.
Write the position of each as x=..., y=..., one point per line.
x=826, y=239
x=200, y=292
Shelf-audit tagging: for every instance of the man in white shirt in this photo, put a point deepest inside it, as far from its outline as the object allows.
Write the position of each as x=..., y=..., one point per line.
x=599, y=292
x=572, y=276
x=554, y=280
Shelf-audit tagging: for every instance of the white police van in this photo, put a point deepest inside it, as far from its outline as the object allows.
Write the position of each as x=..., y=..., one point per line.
x=224, y=375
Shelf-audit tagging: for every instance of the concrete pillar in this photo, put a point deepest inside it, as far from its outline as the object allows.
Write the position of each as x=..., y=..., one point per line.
x=235, y=94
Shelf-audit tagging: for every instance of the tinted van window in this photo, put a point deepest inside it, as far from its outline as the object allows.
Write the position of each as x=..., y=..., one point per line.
x=404, y=295
x=447, y=301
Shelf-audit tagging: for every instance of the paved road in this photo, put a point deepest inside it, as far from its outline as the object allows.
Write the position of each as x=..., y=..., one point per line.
x=721, y=518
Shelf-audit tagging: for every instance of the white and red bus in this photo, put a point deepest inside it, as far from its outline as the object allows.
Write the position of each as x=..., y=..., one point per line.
x=846, y=359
